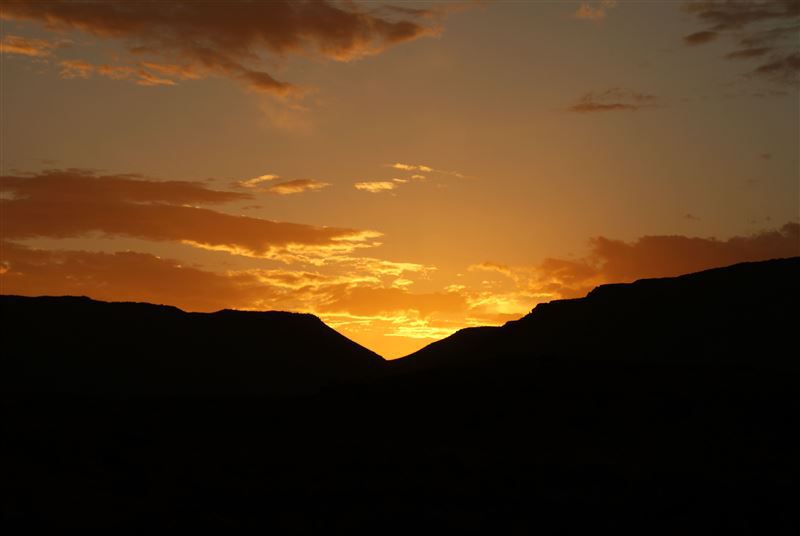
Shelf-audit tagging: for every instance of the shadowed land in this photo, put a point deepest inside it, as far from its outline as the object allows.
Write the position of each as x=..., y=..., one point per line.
x=82, y=346
x=661, y=406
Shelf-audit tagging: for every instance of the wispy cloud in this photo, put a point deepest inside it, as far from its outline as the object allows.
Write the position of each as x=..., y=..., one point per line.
x=296, y=186
x=375, y=187
x=37, y=48
x=614, y=99
x=700, y=38
x=413, y=174
x=424, y=169
x=594, y=11
x=411, y=167
x=76, y=69
x=776, y=46
x=82, y=69
x=255, y=181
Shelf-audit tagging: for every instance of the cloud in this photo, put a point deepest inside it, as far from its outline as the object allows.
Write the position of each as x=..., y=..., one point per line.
x=76, y=69
x=424, y=169
x=747, y=53
x=393, y=184
x=375, y=187
x=744, y=23
x=295, y=187
x=121, y=276
x=252, y=183
x=362, y=301
x=366, y=298
x=229, y=39
x=82, y=69
x=22, y=46
x=371, y=302
x=181, y=72
x=614, y=99
x=594, y=11
x=780, y=69
x=74, y=203
x=491, y=267
x=700, y=38
x=147, y=79
x=736, y=15
x=411, y=167
x=755, y=38
x=617, y=261
x=114, y=72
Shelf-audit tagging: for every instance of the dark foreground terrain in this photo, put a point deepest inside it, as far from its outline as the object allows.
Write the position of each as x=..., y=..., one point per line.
x=664, y=406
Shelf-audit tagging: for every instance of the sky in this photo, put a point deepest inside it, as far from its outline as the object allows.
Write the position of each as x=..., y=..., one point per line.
x=400, y=170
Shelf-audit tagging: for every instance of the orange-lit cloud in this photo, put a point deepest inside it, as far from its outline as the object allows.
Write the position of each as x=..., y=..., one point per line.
x=411, y=167
x=370, y=299
x=37, y=48
x=613, y=261
x=255, y=181
x=424, y=169
x=357, y=300
x=614, y=99
x=120, y=276
x=375, y=187
x=76, y=69
x=82, y=69
x=595, y=11
x=295, y=187
x=148, y=79
x=492, y=267
x=180, y=72
x=226, y=39
x=73, y=203
x=366, y=301
x=413, y=175
x=115, y=72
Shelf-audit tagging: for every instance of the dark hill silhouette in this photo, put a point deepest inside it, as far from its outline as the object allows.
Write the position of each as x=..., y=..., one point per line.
x=664, y=406
x=743, y=312
x=78, y=345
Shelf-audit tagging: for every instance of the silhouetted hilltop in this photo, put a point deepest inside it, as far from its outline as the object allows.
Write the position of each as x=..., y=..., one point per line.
x=744, y=312
x=664, y=406
x=79, y=345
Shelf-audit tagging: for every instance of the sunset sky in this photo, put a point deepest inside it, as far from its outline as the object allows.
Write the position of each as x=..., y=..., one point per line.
x=402, y=171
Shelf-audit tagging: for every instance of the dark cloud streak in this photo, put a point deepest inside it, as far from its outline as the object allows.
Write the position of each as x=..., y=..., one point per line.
x=614, y=99
x=744, y=22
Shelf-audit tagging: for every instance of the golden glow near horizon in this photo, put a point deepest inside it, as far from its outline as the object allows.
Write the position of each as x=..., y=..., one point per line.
x=400, y=172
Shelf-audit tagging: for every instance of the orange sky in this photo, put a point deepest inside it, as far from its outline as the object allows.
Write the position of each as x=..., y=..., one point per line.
x=401, y=171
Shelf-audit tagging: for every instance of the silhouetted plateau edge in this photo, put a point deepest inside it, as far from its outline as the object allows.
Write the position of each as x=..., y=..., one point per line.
x=746, y=311
x=665, y=406
x=79, y=345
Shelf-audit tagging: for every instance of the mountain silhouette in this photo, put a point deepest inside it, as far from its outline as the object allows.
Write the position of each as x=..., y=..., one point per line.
x=78, y=345
x=662, y=406
x=744, y=312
